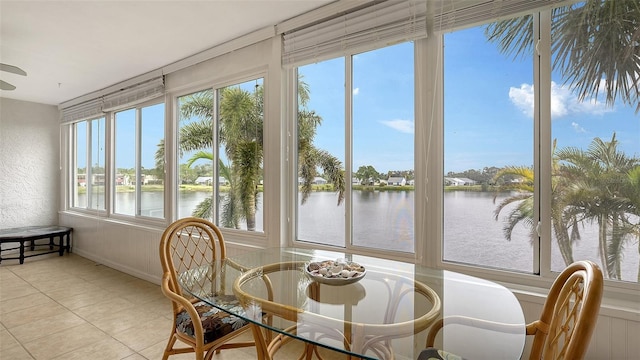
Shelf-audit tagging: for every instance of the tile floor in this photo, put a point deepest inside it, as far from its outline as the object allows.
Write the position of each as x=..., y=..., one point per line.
x=69, y=307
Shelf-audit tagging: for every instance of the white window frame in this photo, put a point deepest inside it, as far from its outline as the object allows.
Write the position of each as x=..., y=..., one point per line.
x=73, y=166
x=252, y=238
x=138, y=158
x=432, y=173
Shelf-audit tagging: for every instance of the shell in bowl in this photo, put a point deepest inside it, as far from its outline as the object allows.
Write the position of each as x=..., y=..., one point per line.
x=335, y=272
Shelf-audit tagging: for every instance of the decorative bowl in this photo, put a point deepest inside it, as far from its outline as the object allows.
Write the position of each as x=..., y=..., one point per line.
x=335, y=272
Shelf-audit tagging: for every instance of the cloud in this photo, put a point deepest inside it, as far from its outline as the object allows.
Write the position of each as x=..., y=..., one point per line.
x=356, y=91
x=563, y=101
x=405, y=126
x=577, y=127
x=522, y=98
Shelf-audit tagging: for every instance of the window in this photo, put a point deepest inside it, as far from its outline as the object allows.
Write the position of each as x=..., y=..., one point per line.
x=231, y=191
x=195, y=170
x=89, y=164
x=139, y=177
x=488, y=154
x=378, y=136
x=596, y=140
x=508, y=118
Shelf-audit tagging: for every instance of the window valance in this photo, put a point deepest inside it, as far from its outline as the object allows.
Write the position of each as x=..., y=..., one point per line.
x=113, y=99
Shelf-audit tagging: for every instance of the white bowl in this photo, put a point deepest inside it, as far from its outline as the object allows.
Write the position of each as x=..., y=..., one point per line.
x=334, y=270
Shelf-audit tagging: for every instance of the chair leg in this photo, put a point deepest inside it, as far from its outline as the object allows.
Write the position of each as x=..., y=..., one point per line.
x=167, y=350
x=199, y=354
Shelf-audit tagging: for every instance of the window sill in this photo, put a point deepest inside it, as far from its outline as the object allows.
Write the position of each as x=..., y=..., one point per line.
x=627, y=308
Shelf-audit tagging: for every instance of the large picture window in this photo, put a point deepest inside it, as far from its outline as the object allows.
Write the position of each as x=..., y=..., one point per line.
x=372, y=205
x=595, y=130
x=139, y=177
x=88, y=174
x=499, y=119
x=221, y=155
x=488, y=154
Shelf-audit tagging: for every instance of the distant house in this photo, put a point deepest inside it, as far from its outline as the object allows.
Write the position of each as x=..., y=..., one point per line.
x=316, y=180
x=452, y=181
x=204, y=180
x=122, y=179
x=222, y=181
x=397, y=180
x=319, y=181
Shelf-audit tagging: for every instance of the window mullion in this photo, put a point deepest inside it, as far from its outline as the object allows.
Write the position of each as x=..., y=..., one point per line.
x=348, y=151
x=138, y=161
x=89, y=165
x=542, y=140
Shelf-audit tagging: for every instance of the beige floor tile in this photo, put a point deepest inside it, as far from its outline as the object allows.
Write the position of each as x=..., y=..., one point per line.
x=77, y=301
x=160, y=307
x=137, y=356
x=120, y=321
x=146, y=333
x=25, y=302
x=143, y=295
x=16, y=352
x=8, y=278
x=72, y=286
x=16, y=290
x=7, y=340
x=108, y=349
x=36, y=313
x=56, y=344
x=46, y=326
x=103, y=309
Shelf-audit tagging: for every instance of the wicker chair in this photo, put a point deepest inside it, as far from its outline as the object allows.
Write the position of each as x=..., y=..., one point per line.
x=566, y=323
x=186, y=244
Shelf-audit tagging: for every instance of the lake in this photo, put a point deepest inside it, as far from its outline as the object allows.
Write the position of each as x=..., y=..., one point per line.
x=384, y=219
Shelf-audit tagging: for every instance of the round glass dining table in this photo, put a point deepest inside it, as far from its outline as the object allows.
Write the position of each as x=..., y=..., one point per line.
x=385, y=314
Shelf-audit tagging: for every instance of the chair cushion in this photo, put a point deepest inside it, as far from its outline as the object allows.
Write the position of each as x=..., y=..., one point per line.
x=215, y=322
x=437, y=354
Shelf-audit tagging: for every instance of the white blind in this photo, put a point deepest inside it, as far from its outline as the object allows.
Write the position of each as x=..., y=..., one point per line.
x=381, y=24
x=110, y=100
x=133, y=95
x=88, y=109
x=448, y=15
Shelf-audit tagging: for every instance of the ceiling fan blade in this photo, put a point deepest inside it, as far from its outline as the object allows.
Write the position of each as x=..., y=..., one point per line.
x=6, y=86
x=12, y=69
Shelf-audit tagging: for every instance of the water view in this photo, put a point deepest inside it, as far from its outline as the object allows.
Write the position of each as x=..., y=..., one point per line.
x=471, y=234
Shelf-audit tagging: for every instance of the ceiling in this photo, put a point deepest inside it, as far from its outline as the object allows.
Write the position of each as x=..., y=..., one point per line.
x=71, y=48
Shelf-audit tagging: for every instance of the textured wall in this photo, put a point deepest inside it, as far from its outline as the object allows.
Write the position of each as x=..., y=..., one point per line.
x=29, y=163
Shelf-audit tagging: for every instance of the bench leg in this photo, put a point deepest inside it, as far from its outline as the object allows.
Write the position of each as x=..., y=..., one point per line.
x=22, y=252
x=61, y=244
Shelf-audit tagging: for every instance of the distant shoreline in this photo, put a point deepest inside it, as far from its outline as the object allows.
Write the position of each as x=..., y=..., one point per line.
x=323, y=187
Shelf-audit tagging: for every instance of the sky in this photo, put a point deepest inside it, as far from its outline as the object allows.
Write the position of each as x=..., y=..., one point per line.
x=488, y=110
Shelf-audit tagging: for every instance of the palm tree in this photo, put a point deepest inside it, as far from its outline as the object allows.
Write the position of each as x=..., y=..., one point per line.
x=598, y=192
x=241, y=136
x=595, y=45
x=633, y=193
x=229, y=215
x=595, y=48
x=523, y=212
x=311, y=158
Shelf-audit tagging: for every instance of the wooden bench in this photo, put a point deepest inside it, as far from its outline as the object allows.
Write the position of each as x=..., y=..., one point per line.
x=30, y=234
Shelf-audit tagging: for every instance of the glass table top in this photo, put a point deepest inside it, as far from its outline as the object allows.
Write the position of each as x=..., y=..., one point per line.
x=386, y=313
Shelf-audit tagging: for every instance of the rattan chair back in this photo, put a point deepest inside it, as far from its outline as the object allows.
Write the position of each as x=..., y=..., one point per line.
x=188, y=245
x=569, y=314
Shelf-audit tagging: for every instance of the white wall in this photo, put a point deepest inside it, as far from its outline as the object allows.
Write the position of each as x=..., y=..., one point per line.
x=29, y=163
